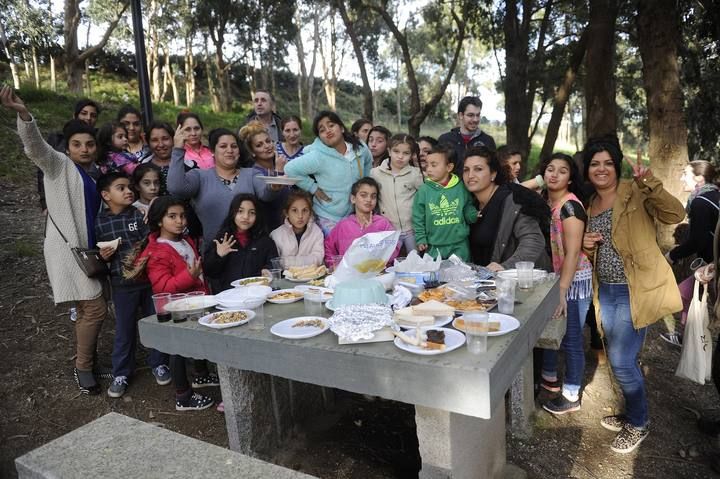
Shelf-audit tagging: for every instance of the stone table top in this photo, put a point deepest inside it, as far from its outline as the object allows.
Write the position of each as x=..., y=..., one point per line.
x=456, y=381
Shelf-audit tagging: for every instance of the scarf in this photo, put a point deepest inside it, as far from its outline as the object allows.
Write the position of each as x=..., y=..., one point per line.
x=699, y=190
x=92, y=204
x=242, y=237
x=581, y=286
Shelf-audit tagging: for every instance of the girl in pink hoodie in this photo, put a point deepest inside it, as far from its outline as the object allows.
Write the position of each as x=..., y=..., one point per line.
x=299, y=239
x=364, y=197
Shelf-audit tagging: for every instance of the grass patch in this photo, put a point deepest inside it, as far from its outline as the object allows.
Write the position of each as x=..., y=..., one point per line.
x=24, y=249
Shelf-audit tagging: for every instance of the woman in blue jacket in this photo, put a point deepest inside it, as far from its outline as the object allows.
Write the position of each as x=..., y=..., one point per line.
x=329, y=167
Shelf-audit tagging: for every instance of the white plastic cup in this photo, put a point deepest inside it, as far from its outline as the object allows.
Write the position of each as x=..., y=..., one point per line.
x=258, y=322
x=476, y=332
x=277, y=263
x=505, y=292
x=525, y=274
x=313, y=303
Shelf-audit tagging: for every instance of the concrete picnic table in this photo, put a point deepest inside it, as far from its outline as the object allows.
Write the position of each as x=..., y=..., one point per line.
x=269, y=383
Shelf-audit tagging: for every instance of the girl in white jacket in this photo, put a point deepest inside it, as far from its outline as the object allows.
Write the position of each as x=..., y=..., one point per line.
x=299, y=239
x=399, y=181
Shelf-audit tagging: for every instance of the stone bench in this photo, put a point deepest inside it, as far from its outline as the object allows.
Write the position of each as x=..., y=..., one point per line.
x=117, y=446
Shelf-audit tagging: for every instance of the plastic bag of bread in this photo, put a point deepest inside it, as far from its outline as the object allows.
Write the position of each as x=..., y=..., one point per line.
x=367, y=255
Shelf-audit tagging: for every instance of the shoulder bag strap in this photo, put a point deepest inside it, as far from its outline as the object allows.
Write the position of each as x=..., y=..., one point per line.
x=58, y=229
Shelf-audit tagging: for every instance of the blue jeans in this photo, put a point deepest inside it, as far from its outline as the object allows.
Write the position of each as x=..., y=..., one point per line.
x=572, y=344
x=127, y=302
x=623, y=347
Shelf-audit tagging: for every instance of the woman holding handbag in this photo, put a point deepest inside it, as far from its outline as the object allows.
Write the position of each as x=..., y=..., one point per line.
x=73, y=202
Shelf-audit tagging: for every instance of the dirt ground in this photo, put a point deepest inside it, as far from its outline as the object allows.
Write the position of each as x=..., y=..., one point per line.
x=360, y=439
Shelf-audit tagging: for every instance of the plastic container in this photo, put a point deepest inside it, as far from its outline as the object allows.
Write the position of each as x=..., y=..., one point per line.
x=359, y=291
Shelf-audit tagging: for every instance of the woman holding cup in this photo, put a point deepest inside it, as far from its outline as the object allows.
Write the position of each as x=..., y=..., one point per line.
x=567, y=225
x=633, y=284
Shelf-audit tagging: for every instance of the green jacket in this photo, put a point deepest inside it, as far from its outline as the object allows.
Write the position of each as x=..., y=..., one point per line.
x=441, y=214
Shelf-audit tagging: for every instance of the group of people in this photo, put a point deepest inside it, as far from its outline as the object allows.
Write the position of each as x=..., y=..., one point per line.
x=194, y=218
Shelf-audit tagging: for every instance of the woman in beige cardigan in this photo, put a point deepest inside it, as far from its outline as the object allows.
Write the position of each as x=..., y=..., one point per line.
x=72, y=204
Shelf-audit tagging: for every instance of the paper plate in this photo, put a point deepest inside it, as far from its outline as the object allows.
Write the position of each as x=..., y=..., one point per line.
x=251, y=281
x=538, y=274
x=287, y=329
x=297, y=296
x=191, y=303
x=327, y=293
x=507, y=324
x=279, y=180
x=453, y=340
x=208, y=319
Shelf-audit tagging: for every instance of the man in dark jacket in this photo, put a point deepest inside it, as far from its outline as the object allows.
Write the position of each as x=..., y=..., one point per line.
x=468, y=134
x=264, y=112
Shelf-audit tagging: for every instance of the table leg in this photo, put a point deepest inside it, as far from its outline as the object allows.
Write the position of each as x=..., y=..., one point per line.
x=460, y=447
x=261, y=410
x=522, y=401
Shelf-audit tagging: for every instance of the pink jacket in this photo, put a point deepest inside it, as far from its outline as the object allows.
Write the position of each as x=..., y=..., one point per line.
x=348, y=230
x=204, y=158
x=309, y=251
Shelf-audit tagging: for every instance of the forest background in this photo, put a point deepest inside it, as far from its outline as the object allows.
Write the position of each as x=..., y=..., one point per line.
x=559, y=71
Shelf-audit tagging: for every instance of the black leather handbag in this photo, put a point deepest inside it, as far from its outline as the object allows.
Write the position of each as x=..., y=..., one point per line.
x=89, y=260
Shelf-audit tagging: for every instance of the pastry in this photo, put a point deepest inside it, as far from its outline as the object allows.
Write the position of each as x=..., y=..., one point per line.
x=433, y=308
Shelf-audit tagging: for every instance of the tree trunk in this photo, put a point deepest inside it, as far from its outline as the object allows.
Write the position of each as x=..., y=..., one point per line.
x=26, y=63
x=357, y=48
x=165, y=76
x=88, y=85
x=222, y=73
x=328, y=65
x=189, y=72
x=74, y=60
x=36, y=69
x=601, y=115
x=171, y=78
x=250, y=74
x=517, y=121
x=658, y=38
x=212, y=91
x=310, y=98
x=562, y=95
x=53, y=77
x=6, y=50
x=518, y=86
x=155, y=73
x=418, y=110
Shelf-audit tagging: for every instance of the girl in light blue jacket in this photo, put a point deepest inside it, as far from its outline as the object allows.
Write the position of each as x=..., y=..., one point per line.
x=329, y=167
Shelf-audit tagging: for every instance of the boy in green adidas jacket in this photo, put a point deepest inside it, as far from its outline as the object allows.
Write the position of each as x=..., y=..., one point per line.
x=442, y=208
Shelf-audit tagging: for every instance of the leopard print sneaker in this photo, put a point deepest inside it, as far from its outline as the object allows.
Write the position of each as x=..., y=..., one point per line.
x=628, y=439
